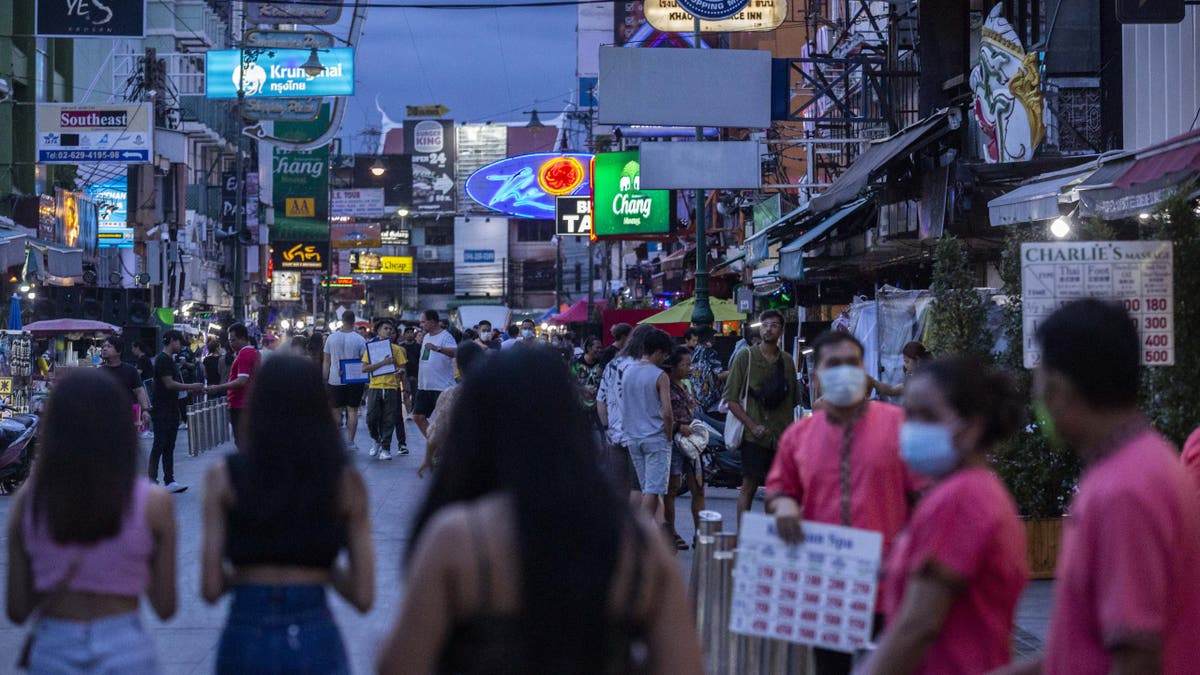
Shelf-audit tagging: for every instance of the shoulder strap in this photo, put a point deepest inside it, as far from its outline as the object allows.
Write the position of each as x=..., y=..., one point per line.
x=749, y=364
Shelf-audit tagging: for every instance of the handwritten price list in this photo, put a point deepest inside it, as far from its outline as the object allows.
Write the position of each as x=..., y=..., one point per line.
x=820, y=593
x=1137, y=274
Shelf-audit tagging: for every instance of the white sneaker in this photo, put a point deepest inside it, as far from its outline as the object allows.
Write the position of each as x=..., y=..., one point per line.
x=385, y=454
x=373, y=451
x=175, y=488
x=147, y=434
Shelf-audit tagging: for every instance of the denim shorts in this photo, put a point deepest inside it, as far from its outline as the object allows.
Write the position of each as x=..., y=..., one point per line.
x=114, y=644
x=281, y=629
x=652, y=462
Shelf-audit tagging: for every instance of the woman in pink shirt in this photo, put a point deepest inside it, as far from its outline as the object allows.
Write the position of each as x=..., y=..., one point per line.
x=956, y=572
x=88, y=536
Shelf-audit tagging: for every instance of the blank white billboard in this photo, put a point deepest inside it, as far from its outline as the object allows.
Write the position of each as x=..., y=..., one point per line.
x=727, y=165
x=685, y=87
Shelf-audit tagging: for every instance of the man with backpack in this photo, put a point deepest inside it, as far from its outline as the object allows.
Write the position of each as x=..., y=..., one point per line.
x=761, y=393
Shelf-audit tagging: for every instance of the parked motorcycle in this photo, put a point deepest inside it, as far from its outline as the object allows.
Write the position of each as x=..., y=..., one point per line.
x=18, y=442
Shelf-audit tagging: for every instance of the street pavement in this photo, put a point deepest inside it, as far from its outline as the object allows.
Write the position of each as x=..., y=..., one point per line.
x=187, y=643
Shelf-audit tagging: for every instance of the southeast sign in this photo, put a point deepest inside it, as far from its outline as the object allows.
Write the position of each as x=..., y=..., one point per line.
x=75, y=133
x=527, y=186
x=278, y=73
x=619, y=206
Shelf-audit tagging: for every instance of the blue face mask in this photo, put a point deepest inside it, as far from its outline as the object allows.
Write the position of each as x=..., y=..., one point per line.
x=928, y=449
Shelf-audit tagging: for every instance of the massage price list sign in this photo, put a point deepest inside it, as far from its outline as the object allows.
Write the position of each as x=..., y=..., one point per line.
x=1136, y=274
x=820, y=592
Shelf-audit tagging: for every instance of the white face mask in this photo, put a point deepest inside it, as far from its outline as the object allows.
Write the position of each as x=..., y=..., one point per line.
x=486, y=335
x=843, y=386
x=526, y=333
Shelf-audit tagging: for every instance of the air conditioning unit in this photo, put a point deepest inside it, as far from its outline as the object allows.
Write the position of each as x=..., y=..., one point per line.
x=429, y=253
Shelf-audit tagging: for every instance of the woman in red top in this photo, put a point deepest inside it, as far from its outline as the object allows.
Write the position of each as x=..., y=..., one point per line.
x=955, y=574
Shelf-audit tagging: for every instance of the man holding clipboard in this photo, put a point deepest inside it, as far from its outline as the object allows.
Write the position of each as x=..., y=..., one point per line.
x=384, y=362
x=342, y=369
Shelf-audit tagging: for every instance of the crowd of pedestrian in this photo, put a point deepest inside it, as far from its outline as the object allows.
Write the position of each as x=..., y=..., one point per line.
x=545, y=540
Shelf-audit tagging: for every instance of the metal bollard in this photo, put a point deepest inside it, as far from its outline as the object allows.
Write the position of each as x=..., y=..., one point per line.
x=226, y=428
x=704, y=598
x=723, y=557
x=193, y=434
x=214, y=428
x=201, y=433
x=207, y=426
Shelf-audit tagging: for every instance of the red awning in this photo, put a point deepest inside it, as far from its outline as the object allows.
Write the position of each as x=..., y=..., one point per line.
x=1181, y=153
x=576, y=313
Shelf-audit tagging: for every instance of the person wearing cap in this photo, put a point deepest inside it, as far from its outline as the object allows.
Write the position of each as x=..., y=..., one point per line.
x=384, y=392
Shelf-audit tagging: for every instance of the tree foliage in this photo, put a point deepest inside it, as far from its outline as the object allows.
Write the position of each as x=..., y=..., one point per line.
x=958, y=315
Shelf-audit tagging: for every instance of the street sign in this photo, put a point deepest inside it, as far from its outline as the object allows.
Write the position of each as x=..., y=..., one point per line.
x=712, y=10
x=573, y=216
x=357, y=203
x=309, y=12
x=288, y=109
x=287, y=39
x=278, y=73
x=426, y=110
x=1136, y=274
x=83, y=19
x=78, y=133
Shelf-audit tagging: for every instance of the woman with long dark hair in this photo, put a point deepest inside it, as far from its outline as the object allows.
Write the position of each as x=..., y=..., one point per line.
x=521, y=560
x=89, y=535
x=276, y=516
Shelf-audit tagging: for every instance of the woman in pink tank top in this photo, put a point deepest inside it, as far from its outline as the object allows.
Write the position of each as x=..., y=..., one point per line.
x=88, y=536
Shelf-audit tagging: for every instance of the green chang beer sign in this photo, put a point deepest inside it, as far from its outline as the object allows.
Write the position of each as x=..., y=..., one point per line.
x=620, y=206
x=301, y=184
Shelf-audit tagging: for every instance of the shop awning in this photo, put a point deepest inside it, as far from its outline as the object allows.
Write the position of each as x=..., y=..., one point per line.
x=1178, y=154
x=726, y=263
x=61, y=261
x=879, y=154
x=1038, y=199
x=12, y=248
x=791, y=257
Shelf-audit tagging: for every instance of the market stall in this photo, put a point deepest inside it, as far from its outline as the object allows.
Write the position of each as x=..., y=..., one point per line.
x=61, y=352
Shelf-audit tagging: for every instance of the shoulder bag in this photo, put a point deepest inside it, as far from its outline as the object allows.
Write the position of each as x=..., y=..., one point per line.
x=734, y=429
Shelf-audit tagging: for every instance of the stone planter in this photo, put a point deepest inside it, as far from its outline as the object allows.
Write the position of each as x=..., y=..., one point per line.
x=1043, y=537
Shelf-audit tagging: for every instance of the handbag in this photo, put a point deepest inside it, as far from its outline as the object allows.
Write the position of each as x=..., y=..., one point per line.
x=734, y=429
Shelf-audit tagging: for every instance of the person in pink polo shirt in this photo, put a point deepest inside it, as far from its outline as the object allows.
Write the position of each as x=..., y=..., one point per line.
x=956, y=572
x=842, y=465
x=1126, y=599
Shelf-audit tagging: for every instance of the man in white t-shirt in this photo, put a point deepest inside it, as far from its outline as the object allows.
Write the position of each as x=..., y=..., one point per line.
x=344, y=346
x=437, y=368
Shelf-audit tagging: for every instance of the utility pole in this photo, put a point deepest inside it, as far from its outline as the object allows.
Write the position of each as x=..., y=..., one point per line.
x=702, y=314
x=239, y=207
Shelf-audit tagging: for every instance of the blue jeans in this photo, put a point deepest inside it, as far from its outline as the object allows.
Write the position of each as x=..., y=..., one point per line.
x=281, y=629
x=114, y=644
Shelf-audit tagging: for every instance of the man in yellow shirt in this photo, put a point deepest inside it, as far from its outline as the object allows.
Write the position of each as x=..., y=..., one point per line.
x=384, y=392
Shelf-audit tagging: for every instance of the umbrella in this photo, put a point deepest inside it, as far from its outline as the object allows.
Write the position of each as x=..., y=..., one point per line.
x=723, y=310
x=577, y=313
x=14, y=313
x=52, y=327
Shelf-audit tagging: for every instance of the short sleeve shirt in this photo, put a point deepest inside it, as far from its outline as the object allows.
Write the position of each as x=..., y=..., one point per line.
x=437, y=369
x=588, y=378
x=968, y=524
x=1191, y=456
x=760, y=369
x=807, y=467
x=342, y=346
x=127, y=376
x=1126, y=571
x=245, y=364
x=392, y=379
x=164, y=400
x=706, y=367
x=610, y=393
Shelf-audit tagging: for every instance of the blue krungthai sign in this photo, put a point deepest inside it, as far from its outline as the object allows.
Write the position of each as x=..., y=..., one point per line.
x=278, y=73
x=527, y=186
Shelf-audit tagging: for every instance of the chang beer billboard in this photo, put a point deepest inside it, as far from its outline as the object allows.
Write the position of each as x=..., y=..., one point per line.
x=300, y=181
x=620, y=208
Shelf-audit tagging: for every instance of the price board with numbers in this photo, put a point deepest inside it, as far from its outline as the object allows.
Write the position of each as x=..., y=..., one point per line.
x=820, y=592
x=1137, y=274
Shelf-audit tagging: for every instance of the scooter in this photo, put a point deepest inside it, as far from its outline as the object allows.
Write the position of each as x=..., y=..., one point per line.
x=18, y=443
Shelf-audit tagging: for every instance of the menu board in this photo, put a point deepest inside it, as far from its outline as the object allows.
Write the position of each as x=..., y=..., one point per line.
x=1137, y=274
x=821, y=592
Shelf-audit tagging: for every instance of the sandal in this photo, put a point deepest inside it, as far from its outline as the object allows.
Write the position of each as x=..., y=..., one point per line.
x=680, y=543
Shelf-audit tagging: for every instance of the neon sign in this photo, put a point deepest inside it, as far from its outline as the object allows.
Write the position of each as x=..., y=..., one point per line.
x=526, y=186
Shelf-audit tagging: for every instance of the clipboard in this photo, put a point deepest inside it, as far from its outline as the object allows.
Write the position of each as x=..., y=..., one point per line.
x=378, y=350
x=352, y=372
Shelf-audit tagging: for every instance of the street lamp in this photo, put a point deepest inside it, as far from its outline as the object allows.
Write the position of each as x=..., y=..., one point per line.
x=535, y=122
x=378, y=169
x=312, y=67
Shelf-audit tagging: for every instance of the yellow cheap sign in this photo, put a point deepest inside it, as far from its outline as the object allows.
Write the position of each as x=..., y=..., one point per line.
x=396, y=264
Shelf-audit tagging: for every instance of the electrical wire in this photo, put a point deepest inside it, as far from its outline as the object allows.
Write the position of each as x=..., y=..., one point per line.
x=449, y=6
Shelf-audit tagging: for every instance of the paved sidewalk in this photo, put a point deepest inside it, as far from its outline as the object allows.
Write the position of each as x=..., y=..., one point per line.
x=187, y=643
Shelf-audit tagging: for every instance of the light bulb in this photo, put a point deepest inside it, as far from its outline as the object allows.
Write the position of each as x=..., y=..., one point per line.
x=1060, y=228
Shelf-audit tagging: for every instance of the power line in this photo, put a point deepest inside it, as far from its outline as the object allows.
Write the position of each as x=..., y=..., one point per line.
x=450, y=6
